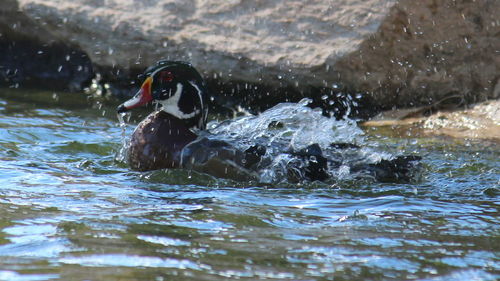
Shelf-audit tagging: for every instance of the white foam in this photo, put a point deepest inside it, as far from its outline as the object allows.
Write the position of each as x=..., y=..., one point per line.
x=294, y=126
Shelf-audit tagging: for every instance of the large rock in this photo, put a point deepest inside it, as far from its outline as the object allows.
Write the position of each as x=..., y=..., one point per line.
x=271, y=40
x=257, y=51
x=400, y=53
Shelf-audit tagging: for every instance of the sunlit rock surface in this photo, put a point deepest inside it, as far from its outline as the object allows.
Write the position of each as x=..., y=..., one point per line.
x=478, y=121
x=401, y=53
x=273, y=40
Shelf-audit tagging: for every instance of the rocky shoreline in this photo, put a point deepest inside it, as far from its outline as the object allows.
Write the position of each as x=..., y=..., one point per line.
x=370, y=55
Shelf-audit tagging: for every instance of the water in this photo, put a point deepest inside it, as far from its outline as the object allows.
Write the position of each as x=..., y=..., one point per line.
x=293, y=127
x=70, y=211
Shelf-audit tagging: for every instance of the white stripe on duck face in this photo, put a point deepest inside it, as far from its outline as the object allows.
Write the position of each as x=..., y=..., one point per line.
x=198, y=91
x=201, y=122
x=171, y=105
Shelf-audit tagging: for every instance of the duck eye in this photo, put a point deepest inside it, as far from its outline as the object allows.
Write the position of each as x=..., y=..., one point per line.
x=166, y=76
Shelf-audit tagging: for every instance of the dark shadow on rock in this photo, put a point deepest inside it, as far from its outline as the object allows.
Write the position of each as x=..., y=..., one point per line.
x=259, y=97
x=33, y=64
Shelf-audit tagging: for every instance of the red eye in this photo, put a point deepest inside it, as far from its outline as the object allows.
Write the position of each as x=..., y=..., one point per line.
x=166, y=76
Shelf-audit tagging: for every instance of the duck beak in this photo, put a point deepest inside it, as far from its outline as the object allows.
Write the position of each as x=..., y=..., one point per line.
x=142, y=97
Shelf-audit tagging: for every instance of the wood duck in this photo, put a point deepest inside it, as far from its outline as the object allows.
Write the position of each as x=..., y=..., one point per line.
x=167, y=139
x=158, y=140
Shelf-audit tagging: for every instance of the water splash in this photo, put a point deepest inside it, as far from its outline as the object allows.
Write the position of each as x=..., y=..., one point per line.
x=123, y=119
x=287, y=126
x=291, y=127
x=286, y=131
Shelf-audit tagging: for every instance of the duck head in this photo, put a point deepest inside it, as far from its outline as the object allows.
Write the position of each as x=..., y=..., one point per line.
x=177, y=87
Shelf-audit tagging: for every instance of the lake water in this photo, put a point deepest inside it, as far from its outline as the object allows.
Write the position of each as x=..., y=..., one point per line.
x=70, y=211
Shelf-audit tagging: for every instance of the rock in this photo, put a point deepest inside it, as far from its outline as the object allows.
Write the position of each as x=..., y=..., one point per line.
x=479, y=121
x=270, y=49
x=235, y=40
x=393, y=53
x=428, y=50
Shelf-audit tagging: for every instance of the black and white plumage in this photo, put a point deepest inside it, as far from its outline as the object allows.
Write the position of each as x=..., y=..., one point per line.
x=178, y=88
x=158, y=140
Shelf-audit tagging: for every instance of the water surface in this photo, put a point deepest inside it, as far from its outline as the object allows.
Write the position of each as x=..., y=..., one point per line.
x=70, y=211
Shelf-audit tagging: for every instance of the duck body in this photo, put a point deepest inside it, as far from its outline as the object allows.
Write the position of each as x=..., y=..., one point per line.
x=161, y=141
x=157, y=142
x=168, y=139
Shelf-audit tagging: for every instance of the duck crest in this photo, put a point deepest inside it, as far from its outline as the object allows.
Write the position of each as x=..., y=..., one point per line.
x=178, y=87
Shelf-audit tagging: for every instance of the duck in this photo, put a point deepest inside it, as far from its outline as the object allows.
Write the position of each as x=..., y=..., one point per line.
x=172, y=136
x=167, y=138
x=158, y=140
